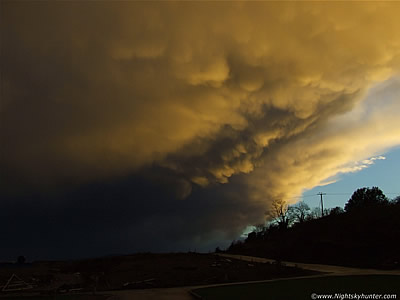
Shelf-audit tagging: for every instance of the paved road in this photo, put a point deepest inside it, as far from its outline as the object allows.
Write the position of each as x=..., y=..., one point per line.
x=183, y=293
x=332, y=270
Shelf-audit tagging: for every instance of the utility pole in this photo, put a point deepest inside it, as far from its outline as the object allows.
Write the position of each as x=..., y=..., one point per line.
x=322, y=203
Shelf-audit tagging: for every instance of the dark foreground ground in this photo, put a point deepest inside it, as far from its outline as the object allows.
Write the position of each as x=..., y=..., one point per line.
x=139, y=271
x=56, y=297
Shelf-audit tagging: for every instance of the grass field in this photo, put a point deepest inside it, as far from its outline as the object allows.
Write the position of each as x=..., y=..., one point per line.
x=304, y=288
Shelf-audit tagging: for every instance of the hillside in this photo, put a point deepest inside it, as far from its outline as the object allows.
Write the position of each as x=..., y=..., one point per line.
x=367, y=237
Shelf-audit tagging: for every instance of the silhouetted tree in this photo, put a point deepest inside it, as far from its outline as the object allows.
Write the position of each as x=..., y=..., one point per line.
x=396, y=200
x=336, y=211
x=259, y=228
x=251, y=236
x=235, y=245
x=314, y=214
x=281, y=213
x=300, y=211
x=366, y=197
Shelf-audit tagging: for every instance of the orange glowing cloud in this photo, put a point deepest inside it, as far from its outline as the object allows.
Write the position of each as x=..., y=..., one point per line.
x=207, y=90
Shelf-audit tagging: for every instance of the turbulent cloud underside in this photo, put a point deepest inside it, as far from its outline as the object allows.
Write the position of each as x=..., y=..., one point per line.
x=270, y=97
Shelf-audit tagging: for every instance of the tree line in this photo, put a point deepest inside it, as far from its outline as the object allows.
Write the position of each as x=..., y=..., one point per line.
x=283, y=216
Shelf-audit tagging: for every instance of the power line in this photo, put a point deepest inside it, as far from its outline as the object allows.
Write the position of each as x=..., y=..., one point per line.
x=338, y=194
x=332, y=194
x=353, y=192
x=299, y=197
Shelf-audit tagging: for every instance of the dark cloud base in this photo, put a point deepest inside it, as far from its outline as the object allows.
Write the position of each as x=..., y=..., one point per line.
x=126, y=215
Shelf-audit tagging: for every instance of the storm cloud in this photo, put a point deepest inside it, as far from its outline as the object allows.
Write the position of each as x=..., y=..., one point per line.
x=135, y=126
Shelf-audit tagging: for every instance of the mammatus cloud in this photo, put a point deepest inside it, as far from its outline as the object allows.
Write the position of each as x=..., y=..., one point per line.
x=272, y=97
x=346, y=143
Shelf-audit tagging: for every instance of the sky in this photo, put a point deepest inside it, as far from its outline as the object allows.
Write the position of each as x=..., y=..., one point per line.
x=383, y=174
x=172, y=126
